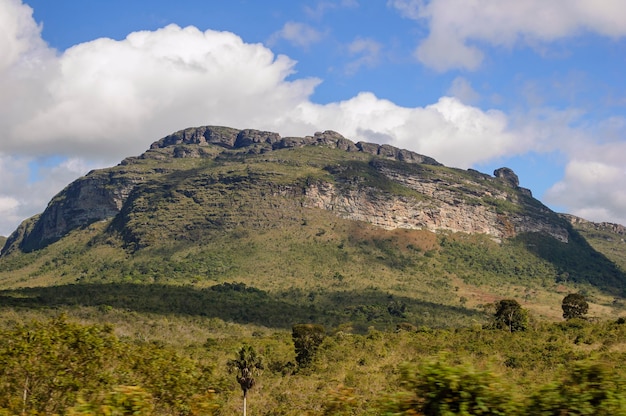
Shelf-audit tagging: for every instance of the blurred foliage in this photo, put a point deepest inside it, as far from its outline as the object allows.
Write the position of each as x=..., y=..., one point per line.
x=58, y=366
x=440, y=390
x=588, y=389
x=47, y=367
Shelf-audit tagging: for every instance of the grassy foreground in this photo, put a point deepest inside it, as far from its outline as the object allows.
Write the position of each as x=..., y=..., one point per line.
x=88, y=361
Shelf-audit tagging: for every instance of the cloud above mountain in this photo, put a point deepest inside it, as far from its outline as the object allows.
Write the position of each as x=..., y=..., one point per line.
x=459, y=29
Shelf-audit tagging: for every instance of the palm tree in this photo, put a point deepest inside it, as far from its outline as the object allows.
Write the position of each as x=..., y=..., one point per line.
x=247, y=365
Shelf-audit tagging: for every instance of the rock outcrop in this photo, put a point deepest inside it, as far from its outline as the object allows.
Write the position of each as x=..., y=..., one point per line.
x=613, y=228
x=262, y=141
x=97, y=196
x=470, y=206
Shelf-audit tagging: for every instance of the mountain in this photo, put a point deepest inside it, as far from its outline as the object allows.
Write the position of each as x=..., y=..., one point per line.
x=378, y=184
x=352, y=231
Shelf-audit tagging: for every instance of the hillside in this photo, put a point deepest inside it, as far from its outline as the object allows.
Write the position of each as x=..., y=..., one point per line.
x=609, y=239
x=251, y=227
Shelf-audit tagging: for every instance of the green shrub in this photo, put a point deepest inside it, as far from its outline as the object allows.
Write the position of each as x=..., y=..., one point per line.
x=440, y=390
x=588, y=389
x=123, y=400
x=45, y=365
x=574, y=306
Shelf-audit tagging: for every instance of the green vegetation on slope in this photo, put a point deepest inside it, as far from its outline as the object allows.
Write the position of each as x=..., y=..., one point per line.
x=214, y=255
x=319, y=269
x=609, y=243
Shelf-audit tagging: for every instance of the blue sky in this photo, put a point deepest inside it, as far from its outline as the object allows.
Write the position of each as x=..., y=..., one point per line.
x=532, y=85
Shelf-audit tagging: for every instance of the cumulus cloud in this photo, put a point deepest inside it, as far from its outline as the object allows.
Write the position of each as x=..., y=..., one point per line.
x=19, y=34
x=462, y=89
x=450, y=131
x=298, y=34
x=13, y=173
x=107, y=99
x=457, y=27
x=593, y=185
x=109, y=95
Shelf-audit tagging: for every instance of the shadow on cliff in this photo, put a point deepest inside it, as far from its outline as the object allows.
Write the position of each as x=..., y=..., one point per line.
x=242, y=304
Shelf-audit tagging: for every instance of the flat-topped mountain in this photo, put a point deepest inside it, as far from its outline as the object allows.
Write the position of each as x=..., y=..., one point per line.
x=379, y=184
x=340, y=230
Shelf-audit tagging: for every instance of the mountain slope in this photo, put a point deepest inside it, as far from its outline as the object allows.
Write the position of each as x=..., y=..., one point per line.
x=330, y=230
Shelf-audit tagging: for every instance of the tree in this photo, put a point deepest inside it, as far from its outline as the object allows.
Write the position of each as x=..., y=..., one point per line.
x=306, y=339
x=574, y=306
x=247, y=365
x=510, y=315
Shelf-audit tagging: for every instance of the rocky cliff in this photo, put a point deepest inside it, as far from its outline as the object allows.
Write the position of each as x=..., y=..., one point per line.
x=379, y=184
x=582, y=223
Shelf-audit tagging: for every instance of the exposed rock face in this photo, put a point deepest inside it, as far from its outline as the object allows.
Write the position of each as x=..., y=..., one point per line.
x=444, y=208
x=95, y=197
x=509, y=177
x=602, y=226
x=16, y=238
x=258, y=141
x=203, y=136
x=475, y=204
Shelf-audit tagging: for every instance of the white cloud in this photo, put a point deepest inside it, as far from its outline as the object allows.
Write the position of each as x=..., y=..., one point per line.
x=111, y=95
x=13, y=174
x=298, y=34
x=450, y=131
x=456, y=24
x=366, y=52
x=462, y=89
x=19, y=34
x=593, y=185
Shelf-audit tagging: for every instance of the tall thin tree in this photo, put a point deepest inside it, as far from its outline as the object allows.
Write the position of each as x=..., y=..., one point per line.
x=247, y=365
